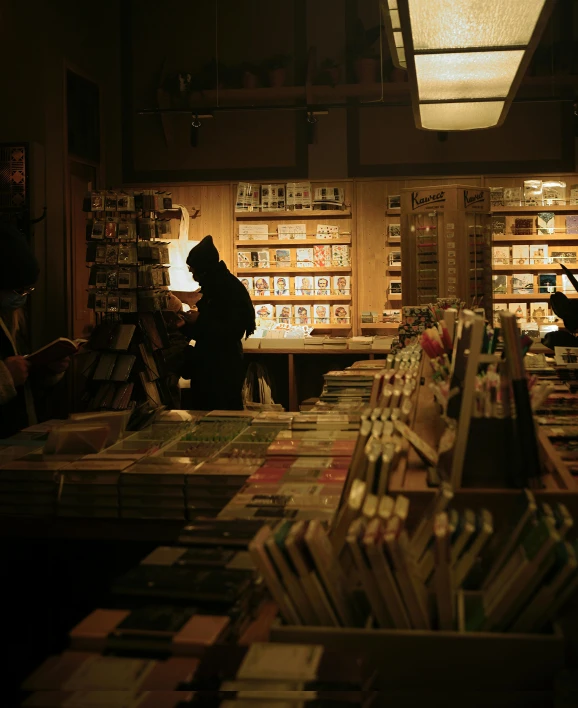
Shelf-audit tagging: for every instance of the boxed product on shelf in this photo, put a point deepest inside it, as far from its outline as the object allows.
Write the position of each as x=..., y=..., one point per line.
x=273, y=197
x=248, y=196
x=497, y=196
x=512, y=196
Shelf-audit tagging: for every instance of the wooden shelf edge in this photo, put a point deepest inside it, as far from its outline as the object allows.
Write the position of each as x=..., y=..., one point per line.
x=275, y=215
x=346, y=241
x=529, y=296
x=289, y=269
x=535, y=237
x=301, y=298
x=534, y=209
x=528, y=268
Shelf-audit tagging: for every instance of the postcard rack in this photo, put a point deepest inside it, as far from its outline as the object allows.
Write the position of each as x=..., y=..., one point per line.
x=129, y=260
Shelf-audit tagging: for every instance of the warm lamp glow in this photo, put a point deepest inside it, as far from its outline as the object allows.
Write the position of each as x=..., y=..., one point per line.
x=460, y=116
x=453, y=24
x=466, y=75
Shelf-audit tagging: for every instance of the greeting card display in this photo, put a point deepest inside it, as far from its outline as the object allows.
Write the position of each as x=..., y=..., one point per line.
x=322, y=314
x=302, y=314
x=500, y=284
x=299, y=196
x=322, y=285
x=304, y=285
x=262, y=284
x=341, y=314
x=538, y=254
x=282, y=257
x=304, y=258
x=501, y=255
x=281, y=285
x=322, y=256
x=248, y=283
x=340, y=256
x=253, y=232
x=283, y=314
x=264, y=311
x=538, y=311
x=520, y=309
x=546, y=282
x=288, y=232
x=327, y=231
x=341, y=285
x=272, y=197
x=521, y=255
x=546, y=222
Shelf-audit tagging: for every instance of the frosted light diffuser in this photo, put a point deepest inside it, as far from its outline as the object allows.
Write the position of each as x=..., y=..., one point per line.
x=460, y=116
x=466, y=75
x=465, y=58
x=455, y=24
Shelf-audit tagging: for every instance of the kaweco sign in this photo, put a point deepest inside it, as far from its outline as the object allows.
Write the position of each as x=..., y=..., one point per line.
x=474, y=199
x=420, y=200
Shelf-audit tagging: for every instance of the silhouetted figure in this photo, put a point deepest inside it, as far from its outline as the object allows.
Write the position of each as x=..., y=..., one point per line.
x=225, y=315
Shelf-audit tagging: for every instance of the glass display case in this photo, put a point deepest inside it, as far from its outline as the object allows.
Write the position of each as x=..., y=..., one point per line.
x=446, y=245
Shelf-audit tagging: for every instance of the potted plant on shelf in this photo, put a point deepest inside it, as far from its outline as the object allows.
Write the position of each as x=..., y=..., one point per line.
x=250, y=76
x=329, y=73
x=363, y=54
x=276, y=68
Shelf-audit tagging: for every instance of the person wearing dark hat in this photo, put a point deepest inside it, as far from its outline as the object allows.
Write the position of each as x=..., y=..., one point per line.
x=224, y=315
x=18, y=274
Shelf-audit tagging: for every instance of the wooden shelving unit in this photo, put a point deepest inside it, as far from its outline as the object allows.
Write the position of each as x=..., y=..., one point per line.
x=342, y=218
x=558, y=241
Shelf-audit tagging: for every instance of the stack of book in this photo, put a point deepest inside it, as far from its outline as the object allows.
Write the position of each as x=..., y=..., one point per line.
x=89, y=488
x=29, y=488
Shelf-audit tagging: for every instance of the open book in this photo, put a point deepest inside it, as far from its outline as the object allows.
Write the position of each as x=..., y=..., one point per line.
x=56, y=350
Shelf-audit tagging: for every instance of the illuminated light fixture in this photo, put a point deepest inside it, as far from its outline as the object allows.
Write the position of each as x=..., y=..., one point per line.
x=465, y=58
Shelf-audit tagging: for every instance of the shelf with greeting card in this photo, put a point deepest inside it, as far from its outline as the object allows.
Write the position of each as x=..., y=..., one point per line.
x=128, y=283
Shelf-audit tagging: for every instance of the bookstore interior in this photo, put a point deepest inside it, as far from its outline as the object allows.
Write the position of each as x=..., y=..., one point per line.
x=308, y=442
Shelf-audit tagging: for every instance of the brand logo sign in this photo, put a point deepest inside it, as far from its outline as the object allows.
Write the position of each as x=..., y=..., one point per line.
x=418, y=201
x=473, y=198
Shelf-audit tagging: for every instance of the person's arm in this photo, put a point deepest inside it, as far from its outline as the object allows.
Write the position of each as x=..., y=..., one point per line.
x=13, y=373
x=7, y=388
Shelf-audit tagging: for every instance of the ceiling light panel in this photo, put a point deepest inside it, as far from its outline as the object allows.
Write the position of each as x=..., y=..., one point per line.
x=455, y=24
x=462, y=75
x=460, y=116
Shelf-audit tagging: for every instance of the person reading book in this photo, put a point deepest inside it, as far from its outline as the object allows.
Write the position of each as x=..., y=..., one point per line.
x=567, y=310
x=20, y=379
x=224, y=316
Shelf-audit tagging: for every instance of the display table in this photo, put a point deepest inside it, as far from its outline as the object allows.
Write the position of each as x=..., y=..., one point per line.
x=297, y=373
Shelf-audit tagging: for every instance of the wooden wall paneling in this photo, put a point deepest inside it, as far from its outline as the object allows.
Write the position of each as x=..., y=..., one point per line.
x=372, y=245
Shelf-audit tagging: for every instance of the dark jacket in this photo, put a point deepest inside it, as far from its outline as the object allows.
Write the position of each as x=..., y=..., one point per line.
x=215, y=364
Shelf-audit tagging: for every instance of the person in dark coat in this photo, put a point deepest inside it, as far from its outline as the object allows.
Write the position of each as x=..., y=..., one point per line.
x=19, y=382
x=224, y=316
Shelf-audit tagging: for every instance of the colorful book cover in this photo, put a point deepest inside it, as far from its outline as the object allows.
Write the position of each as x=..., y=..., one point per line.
x=283, y=314
x=302, y=314
x=521, y=255
x=264, y=312
x=304, y=285
x=322, y=256
x=321, y=314
x=546, y=222
x=522, y=283
x=248, y=283
x=546, y=282
x=538, y=254
x=340, y=256
x=262, y=285
x=282, y=285
x=500, y=284
x=341, y=314
x=501, y=255
x=304, y=258
x=342, y=285
x=322, y=285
